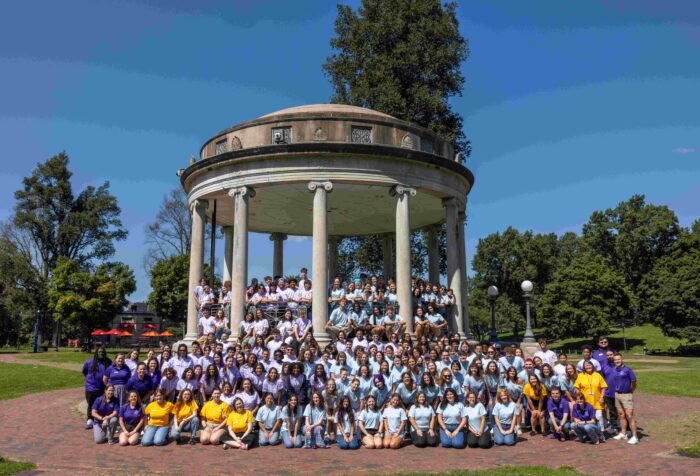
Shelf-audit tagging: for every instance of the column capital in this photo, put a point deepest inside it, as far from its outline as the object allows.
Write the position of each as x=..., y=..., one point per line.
x=462, y=215
x=326, y=184
x=204, y=204
x=278, y=236
x=242, y=191
x=398, y=190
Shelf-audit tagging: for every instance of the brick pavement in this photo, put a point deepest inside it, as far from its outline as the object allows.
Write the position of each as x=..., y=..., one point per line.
x=25, y=435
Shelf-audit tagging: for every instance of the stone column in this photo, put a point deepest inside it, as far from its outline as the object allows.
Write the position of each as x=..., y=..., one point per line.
x=319, y=269
x=278, y=256
x=461, y=222
x=333, y=243
x=454, y=272
x=228, y=251
x=239, y=269
x=196, y=267
x=403, y=253
x=431, y=238
x=388, y=254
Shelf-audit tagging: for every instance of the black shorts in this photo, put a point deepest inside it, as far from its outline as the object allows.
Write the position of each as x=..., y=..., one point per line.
x=372, y=431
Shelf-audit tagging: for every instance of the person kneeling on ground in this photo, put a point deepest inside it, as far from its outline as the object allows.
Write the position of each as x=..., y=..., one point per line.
x=158, y=413
x=104, y=416
x=131, y=420
x=504, y=413
x=584, y=421
x=240, y=423
x=185, y=416
x=345, y=425
x=478, y=435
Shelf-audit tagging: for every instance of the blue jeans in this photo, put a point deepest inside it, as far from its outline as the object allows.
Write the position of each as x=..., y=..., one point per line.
x=456, y=441
x=272, y=441
x=155, y=435
x=564, y=430
x=101, y=434
x=344, y=445
x=298, y=441
x=501, y=439
x=191, y=426
x=317, y=434
x=587, y=429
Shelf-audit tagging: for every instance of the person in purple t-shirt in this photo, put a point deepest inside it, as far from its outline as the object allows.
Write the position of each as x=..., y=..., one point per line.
x=558, y=413
x=94, y=372
x=601, y=353
x=131, y=420
x=104, y=415
x=608, y=372
x=584, y=422
x=625, y=383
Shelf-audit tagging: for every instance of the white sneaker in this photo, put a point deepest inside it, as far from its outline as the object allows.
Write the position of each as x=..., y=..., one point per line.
x=620, y=436
x=633, y=441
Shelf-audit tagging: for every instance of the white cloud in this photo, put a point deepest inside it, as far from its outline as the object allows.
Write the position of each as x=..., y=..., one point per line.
x=297, y=239
x=684, y=150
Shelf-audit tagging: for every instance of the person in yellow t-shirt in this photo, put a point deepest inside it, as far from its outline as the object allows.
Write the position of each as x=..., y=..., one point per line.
x=158, y=413
x=213, y=415
x=185, y=412
x=592, y=386
x=240, y=424
x=536, y=394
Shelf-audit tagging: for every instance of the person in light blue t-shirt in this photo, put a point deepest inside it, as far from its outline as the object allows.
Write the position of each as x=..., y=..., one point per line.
x=315, y=425
x=452, y=420
x=269, y=422
x=394, y=418
x=422, y=419
x=345, y=425
x=370, y=423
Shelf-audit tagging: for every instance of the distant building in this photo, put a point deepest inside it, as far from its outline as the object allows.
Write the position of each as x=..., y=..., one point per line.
x=136, y=318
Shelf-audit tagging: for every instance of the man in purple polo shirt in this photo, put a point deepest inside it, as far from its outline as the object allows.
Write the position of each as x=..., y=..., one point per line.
x=608, y=371
x=601, y=353
x=558, y=411
x=625, y=382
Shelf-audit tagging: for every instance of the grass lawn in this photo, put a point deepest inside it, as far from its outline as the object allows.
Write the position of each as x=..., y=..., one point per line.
x=26, y=379
x=678, y=377
x=66, y=355
x=508, y=471
x=8, y=467
x=637, y=338
x=693, y=450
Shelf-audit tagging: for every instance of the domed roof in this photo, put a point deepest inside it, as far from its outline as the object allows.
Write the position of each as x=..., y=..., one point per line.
x=330, y=109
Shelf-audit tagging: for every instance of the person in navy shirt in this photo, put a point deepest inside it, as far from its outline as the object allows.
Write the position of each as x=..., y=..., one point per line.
x=625, y=383
x=94, y=372
x=583, y=420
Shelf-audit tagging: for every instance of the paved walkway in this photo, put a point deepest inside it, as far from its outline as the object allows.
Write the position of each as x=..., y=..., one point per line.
x=28, y=423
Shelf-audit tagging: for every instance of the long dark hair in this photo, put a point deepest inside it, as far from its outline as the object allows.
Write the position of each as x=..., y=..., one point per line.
x=208, y=377
x=96, y=361
x=342, y=412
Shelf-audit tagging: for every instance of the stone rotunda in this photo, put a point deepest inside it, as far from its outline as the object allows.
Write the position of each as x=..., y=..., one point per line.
x=360, y=171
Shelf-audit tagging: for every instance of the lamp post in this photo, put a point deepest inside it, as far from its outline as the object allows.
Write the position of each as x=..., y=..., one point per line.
x=526, y=287
x=493, y=294
x=36, y=330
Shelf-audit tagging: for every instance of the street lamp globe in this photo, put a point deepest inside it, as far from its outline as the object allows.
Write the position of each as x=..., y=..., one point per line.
x=492, y=291
x=526, y=286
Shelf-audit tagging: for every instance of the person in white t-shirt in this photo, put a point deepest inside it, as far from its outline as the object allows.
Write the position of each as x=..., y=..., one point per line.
x=206, y=322
x=547, y=356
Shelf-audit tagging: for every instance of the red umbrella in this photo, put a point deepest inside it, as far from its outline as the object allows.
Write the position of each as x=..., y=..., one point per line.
x=98, y=332
x=166, y=334
x=113, y=332
x=150, y=334
x=126, y=334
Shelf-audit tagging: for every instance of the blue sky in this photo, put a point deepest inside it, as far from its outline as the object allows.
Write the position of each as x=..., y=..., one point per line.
x=570, y=106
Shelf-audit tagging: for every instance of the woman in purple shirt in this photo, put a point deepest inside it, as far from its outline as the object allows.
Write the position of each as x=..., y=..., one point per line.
x=104, y=415
x=118, y=374
x=94, y=371
x=131, y=420
x=296, y=383
x=584, y=422
x=154, y=372
x=140, y=382
x=274, y=386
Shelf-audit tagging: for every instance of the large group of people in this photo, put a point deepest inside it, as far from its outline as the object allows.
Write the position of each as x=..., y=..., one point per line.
x=372, y=386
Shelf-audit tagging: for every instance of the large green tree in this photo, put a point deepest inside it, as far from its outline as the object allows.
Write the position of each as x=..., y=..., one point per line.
x=169, y=287
x=403, y=58
x=82, y=300
x=670, y=293
x=632, y=237
x=50, y=221
x=585, y=298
